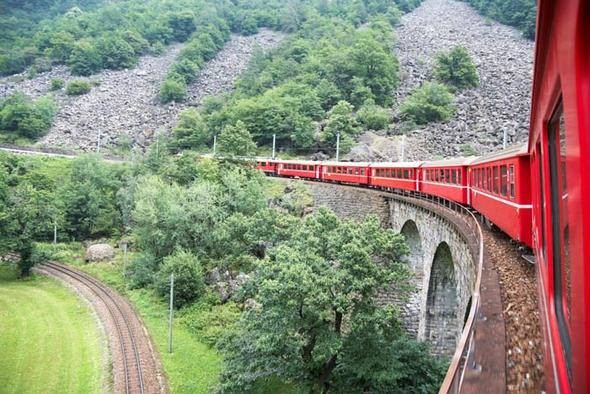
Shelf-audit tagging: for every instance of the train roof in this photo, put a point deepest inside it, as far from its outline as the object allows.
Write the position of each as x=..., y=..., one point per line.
x=345, y=163
x=397, y=164
x=513, y=151
x=462, y=161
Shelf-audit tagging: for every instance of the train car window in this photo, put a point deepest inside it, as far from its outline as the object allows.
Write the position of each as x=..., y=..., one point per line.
x=504, y=180
x=406, y=174
x=454, y=176
x=495, y=179
x=511, y=181
x=560, y=228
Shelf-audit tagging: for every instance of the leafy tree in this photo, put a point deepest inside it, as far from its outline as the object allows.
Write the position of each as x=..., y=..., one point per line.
x=316, y=307
x=85, y=59
x=518, y=13
x=182, y=25
x=431, y=102
x=373, y=117
x=24, y=117
x=77, y=87
x=188, y=278
x=456, y=69
x=236, y=140
x=191, y=131
x=187, y=68
x=341, y=120
x=115, y=53
x=89, y=199
x=173, y=89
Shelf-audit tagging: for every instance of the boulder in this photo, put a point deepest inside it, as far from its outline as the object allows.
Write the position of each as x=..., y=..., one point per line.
x=99, y=252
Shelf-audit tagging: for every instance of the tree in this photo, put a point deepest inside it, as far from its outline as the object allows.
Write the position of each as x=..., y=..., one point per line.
x=456, y=69
x=431, y=102
x=84, y=59
x=77, y=88
x=340, y=120
x=316, y=308
x=236, y=140
x=373, y=117
x=188, y=278
x=115, y=52
x=173, y=89
x=191, y=131
x=182, y=25
x=27, y=118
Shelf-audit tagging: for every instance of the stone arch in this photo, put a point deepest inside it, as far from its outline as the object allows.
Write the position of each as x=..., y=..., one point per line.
x=414, y=241
x=442, y=302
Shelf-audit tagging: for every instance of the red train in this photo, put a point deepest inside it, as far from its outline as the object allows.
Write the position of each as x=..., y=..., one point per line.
x=537, y=194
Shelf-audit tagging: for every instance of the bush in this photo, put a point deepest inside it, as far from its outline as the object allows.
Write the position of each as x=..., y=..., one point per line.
x=77, y=87
x=115, y=53
x=141, y=271
x=236, y=140
x=188, y=278
x=85, y=59
x=210, y=322
x=26, y=118
x=173, y=89
x=191, y=131
x=456, y=69
x=431, y=102
x=57, y=84
x=373, y=117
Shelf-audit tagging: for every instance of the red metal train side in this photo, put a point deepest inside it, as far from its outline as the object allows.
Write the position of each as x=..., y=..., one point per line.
x=353, y=173
x=500, y=190
x=447, y=179
x=402, y=176
x=559, y=144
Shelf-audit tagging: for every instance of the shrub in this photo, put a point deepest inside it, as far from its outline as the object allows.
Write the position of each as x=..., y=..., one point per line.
x=173, y=89
x=373, y=117
x=57, y=84
x=236, y=140
x=115, y=53
x=210, y=322
x=431, y=102
x=468, y=150
x=141, y=270
x=456, y=69
x=78, y=87
x=188, y=278
x=187, y=68
x=26, y=118
x=85, y=59
x=191, y=131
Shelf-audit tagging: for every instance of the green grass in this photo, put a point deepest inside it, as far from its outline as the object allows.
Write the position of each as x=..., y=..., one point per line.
x=49, y=340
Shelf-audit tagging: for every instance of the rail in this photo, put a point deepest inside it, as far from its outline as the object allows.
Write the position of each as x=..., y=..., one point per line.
x=463, y=358
x=103, y=293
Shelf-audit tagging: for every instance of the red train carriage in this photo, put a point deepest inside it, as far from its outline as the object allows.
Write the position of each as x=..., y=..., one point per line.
x=355, y=173
x=500, y=190
x=267, y=165
x=402, y=176
x=559, y=144
x=447, y=179
x=299, y=169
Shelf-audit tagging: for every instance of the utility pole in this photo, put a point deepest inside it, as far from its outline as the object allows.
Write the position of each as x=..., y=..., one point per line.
x=54, y=233
x=214, y=144
x=98, y=142
x=171, y=313
x=505, y=138
x=403, y=148
x=337, y=146
x=124, y=259
x=274, y=144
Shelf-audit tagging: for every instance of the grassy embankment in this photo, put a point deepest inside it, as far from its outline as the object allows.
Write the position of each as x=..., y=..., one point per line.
x=49, y=340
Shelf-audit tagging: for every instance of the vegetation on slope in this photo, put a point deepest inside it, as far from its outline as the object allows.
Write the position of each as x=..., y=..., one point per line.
x=518, y=13
x=49, y=339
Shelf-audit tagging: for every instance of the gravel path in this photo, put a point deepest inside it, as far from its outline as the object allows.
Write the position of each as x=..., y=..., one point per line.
x=524, y=343
x=125, y=103
x=504, y=61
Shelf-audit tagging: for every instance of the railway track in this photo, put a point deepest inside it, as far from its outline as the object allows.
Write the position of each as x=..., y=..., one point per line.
x=129, y=350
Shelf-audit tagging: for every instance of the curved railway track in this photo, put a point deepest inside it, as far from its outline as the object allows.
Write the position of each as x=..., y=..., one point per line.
x=129, y=349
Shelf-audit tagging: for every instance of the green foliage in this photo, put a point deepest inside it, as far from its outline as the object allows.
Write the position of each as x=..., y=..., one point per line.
x=340, y=120
x=236, y=140
x=115, y=53
x=173, y=89
x=209, y=322
x=84, y=59
x=468, y=150
x=57, y=84
x=141, y=271
x=518, y=13
x=188, y=278
x=182, y=25
x=456, y=69
x=78, y=87
x=431, y=102
x=26, y=118
x=191, y=130
x=325, y=277
x=88, y=196
x=373, y=117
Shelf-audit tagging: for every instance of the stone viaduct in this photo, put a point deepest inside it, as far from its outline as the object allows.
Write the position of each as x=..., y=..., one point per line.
x=442, y=257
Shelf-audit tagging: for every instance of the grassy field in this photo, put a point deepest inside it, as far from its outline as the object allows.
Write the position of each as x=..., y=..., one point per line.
x=49, y=340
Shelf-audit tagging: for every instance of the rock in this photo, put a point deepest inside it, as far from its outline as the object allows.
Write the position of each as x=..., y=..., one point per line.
x=99, y=252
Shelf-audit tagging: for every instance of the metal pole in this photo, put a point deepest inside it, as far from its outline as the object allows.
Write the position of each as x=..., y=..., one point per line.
x=505, y=138
x=54, y=233
x=124, y=260
x=214, y=144
x=171, y=313
x=274, y=144
x=403, y=148
x=98, y=143
x=338, y=147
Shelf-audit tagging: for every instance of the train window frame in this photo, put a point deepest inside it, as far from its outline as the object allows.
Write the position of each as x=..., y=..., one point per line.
x=558, y=184
x=504, y=180
x=511, y=181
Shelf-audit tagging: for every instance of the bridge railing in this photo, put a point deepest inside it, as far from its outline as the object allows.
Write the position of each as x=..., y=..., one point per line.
x=463, y=358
